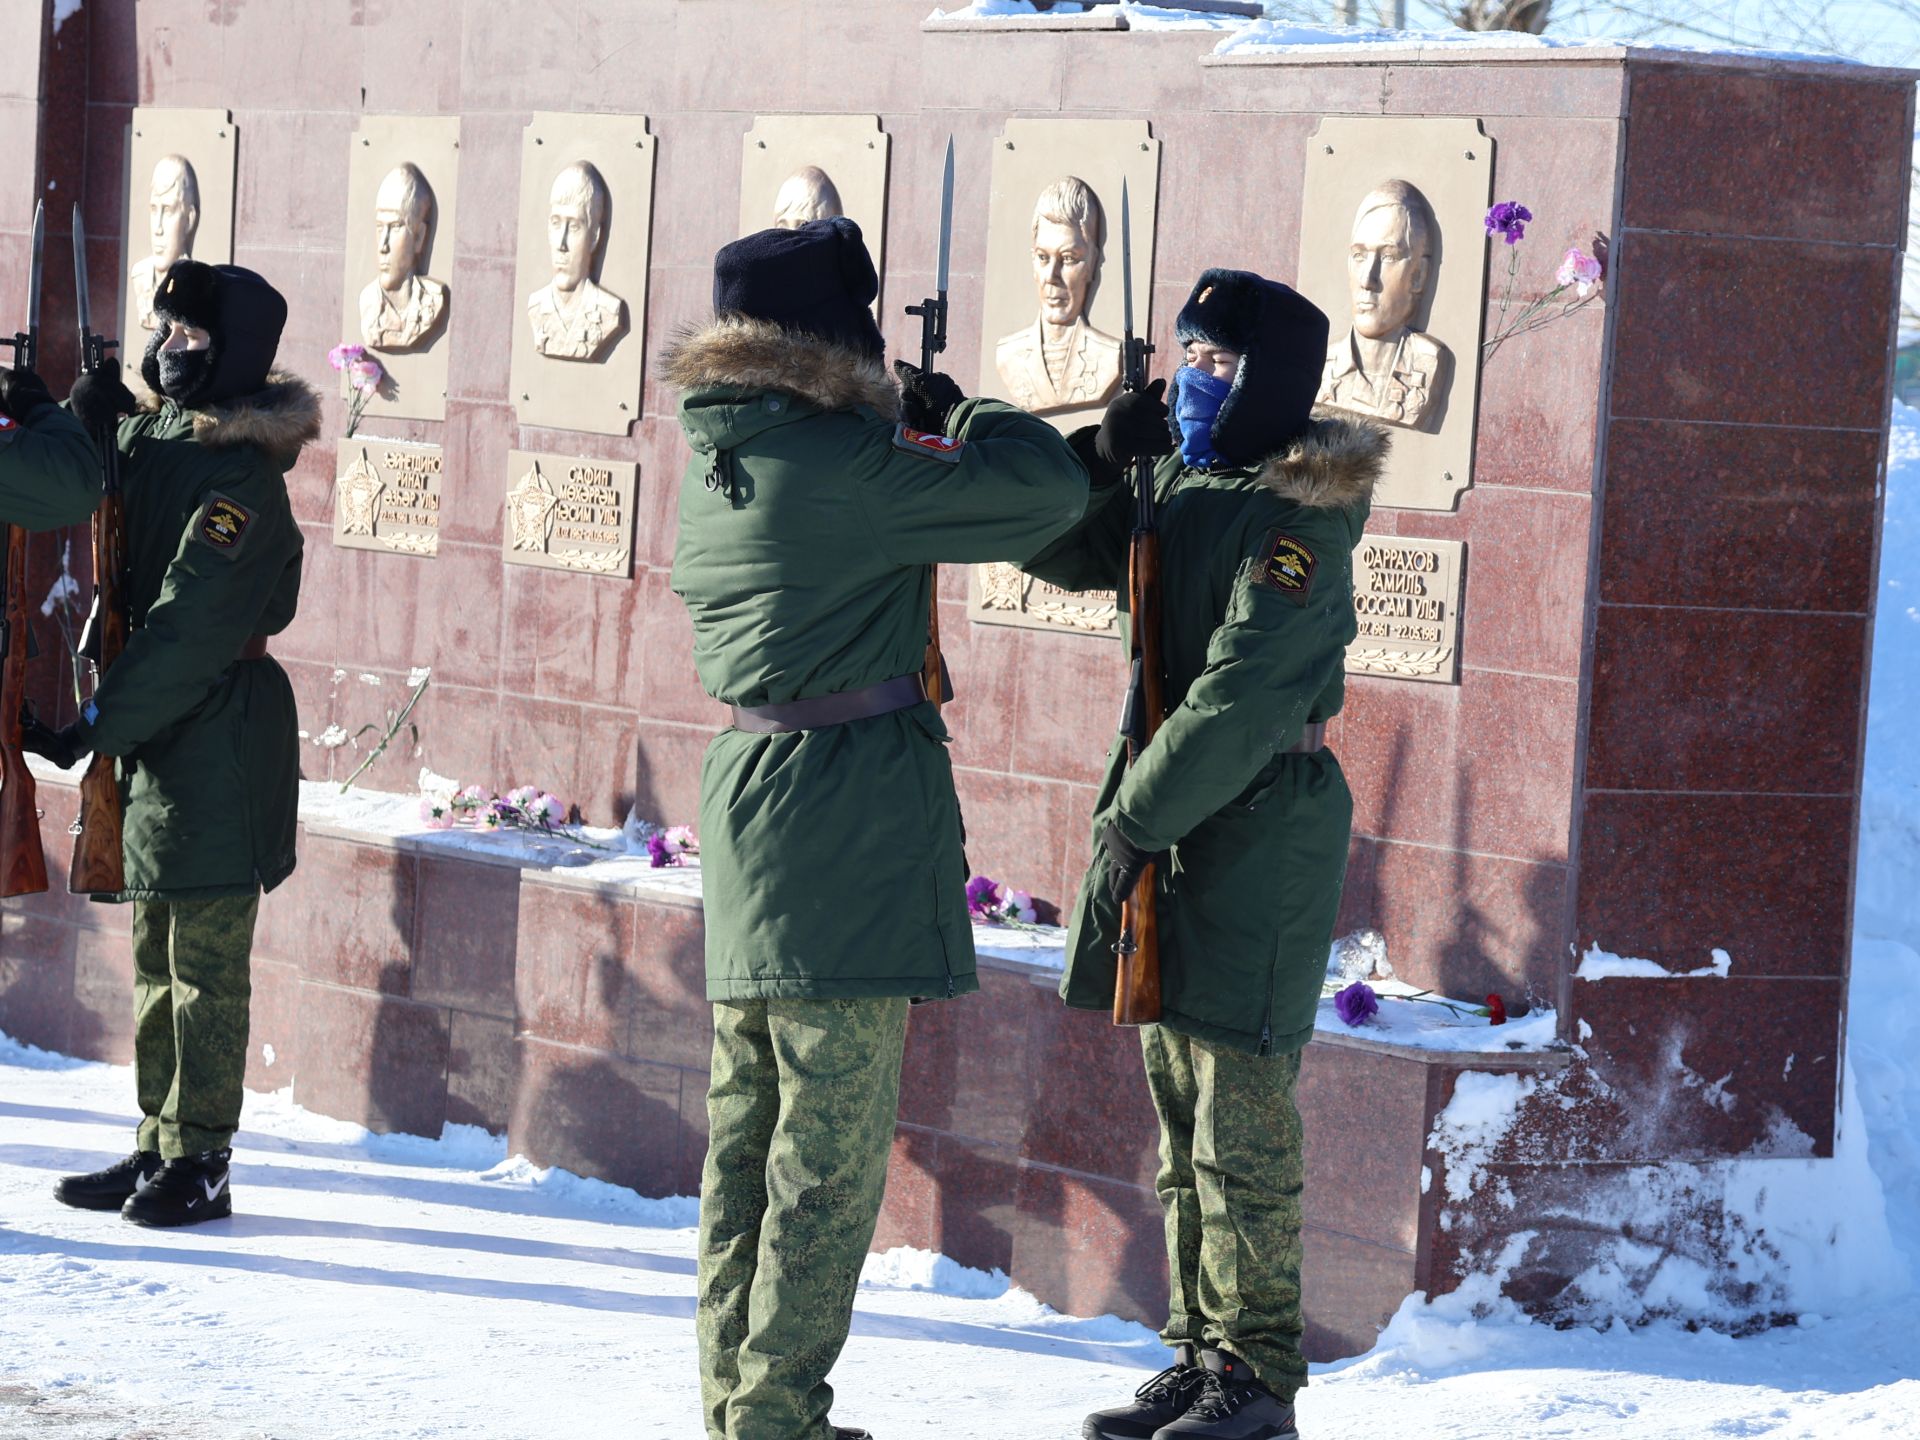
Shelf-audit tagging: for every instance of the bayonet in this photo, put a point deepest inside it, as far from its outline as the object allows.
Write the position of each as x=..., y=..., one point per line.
x=933, y=310
x=26, y=343
x=93, y=348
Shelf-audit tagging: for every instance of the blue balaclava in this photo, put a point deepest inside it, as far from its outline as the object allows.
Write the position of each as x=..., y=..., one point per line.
x=1197, y=398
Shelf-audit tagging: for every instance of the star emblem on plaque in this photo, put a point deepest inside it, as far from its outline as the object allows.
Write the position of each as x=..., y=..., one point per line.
x=360, y=491
x=530, y=507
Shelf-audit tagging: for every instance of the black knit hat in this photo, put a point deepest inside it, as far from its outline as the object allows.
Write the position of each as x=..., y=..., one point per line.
x=817, y=280
x=243, y=316
x=1282, y=339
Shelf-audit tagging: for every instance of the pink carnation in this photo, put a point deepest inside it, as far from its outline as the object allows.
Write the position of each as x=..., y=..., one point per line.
x=366, y=375
x=342, y=356
x=1018, y=905
x=435, y=813
x=545, y=807
x=1580, y=270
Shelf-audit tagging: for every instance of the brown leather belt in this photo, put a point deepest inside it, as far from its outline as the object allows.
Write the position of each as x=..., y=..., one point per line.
x=254, y=649
x=1313, y=738
x=817, y=712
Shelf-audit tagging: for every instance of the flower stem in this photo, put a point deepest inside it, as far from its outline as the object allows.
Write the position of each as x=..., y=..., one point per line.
x=393, y=729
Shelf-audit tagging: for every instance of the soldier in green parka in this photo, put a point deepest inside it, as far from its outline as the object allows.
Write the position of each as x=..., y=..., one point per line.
x=1246, y=810
x=810, y=513
x=199, y=717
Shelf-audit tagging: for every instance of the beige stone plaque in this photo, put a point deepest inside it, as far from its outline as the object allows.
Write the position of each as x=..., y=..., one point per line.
x=580, y=283
x=1053, y=318
x=386, y=496
x=1003, y=595
x=796, y=168
x=396, y=301
x=1406, y=596
x=1396, y=256
x=180, y=186
x=565, y=513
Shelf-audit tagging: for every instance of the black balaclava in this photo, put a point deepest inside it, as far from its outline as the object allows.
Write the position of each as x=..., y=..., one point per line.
x=243, y=316
x=817, y=280
x=1282, y=339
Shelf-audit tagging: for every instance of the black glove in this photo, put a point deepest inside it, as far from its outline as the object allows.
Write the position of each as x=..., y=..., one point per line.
x=21, y=393
x=927, y=398
x=100, y=399
x=1125, y=861
x=64, y=747
x=1135, y=427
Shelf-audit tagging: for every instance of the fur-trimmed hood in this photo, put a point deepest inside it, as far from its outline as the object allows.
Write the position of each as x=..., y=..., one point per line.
x=280, y=419
x=1331, y=467
x=735, y=353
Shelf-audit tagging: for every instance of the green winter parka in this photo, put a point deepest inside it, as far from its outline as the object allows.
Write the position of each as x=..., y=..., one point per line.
x=1257, y=613
x=809, y=519
x=208, y=743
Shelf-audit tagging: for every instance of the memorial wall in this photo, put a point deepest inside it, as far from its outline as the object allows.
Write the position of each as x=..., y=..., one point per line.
x=1615, y=597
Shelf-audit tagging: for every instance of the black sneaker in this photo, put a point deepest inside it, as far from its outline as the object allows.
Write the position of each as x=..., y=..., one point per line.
x=1161, y=1401
x=185, y=1192
x=841, y=1432
x=1232, y=1405
x=108, y=1189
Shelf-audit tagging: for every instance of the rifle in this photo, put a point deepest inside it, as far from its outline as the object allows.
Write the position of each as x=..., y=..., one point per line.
x=1136, y=984
x=933, y=339
x=98, y=865
x=23, y=863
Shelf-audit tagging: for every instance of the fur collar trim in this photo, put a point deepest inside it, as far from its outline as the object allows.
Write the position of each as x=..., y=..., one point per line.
x=279, y=419
x=1332, y=467
x=741, y=354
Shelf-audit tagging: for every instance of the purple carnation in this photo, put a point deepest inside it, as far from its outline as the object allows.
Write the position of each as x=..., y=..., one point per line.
x=660, y=851
x=1357, y=1004
x=983, y=895
x=1509, y=220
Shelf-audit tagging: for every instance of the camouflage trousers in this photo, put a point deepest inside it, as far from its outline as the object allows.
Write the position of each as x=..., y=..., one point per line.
x=1231, y=1172
x=192, y=985
x=800, y=1112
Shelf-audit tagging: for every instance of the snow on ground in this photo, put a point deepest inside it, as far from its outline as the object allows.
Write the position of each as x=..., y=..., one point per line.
x=387, y=1287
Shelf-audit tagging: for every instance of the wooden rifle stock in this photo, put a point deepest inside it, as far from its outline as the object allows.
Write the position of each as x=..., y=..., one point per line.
x=23, y=863
x=1136, y=989
x=98, y=866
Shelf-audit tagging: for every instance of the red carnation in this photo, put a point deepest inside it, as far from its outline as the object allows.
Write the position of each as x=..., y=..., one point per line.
x=1496, y=1010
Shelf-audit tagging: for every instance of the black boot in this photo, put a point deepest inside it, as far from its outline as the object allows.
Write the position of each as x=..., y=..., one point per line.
x=108, y=1189
x=1161, y=1401
x=185, y=1192
x=841, y=1432
x=1232, y=1405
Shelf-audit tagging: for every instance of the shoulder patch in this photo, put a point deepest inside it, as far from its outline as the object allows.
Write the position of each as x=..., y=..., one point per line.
x=1287, y=565
x=9, y=430
x=927, y=445
x=223, y=524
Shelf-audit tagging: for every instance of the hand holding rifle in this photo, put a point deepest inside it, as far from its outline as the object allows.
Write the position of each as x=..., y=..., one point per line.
x=928, y=394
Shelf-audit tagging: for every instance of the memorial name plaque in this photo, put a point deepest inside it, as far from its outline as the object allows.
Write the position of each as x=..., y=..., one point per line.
x=565, y=513
x=386, y=496
x=1002, y=595
x=1406, y=596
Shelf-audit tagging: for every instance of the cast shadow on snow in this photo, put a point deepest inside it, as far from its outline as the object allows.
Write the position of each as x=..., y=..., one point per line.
x=63, y=1116
x=674, y=1307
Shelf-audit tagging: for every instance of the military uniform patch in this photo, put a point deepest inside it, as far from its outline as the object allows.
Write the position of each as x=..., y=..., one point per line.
x=223, y=524
x=927, y=445
x=1286, y=565
x=9, y=429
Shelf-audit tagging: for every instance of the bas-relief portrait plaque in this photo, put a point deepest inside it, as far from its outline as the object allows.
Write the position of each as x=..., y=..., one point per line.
x=180, y=191
x=1054, y=314
x=1406, y=598
x=796, y=168
x=401, y=188
x=586, y=215
x=1395, y=253
x=565, y=513
x=1050, y=338
x=386, y=496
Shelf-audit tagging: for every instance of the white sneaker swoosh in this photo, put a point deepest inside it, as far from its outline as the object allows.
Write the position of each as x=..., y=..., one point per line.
x=214, y=1191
